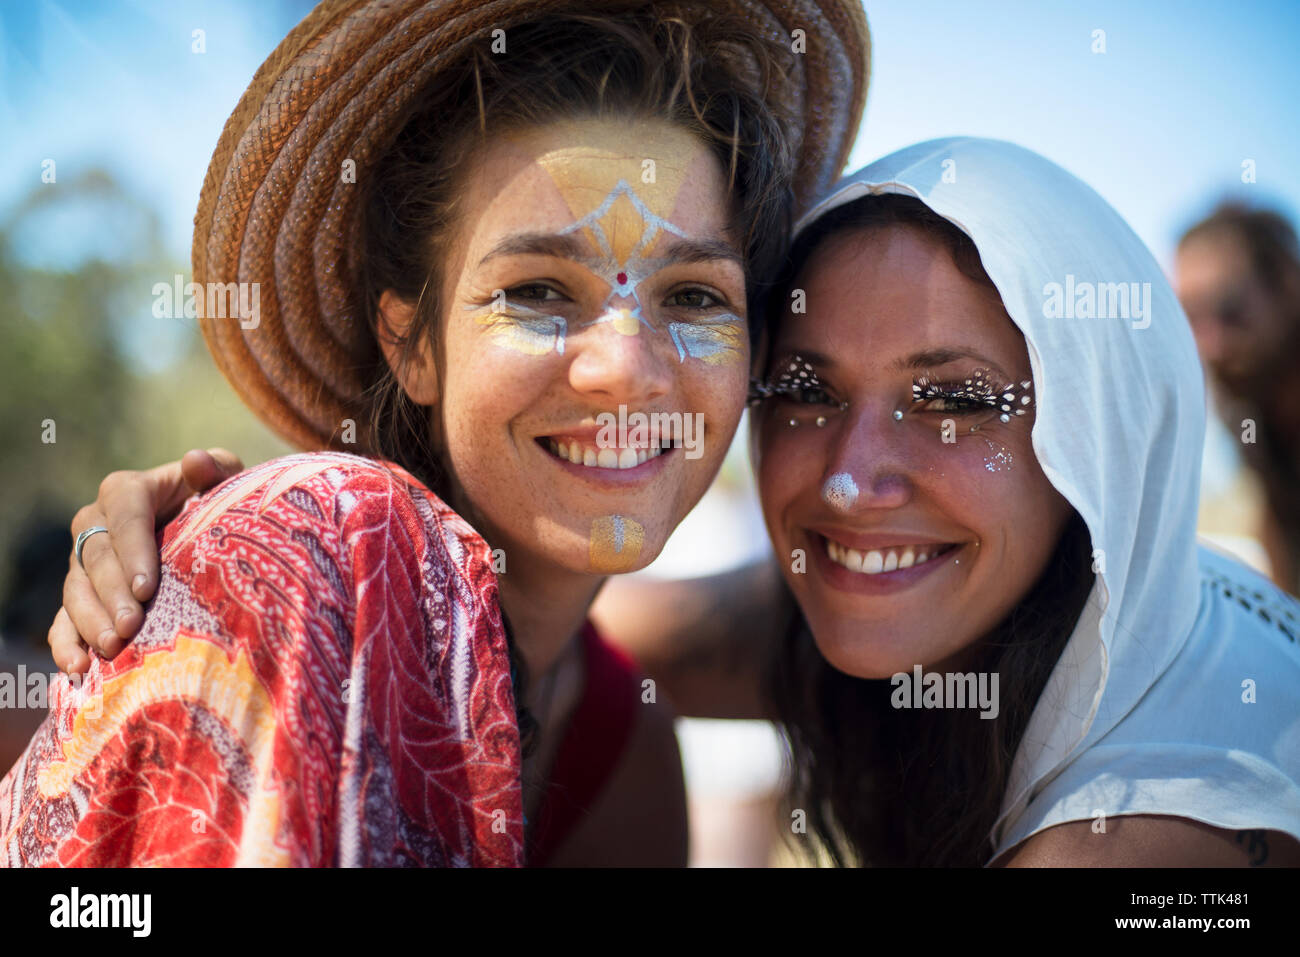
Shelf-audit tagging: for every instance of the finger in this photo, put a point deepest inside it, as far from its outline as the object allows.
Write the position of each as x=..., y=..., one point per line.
x=133, y=504
x=88, y=615
x=205, y=468
x=108, y=577
x=66, y=645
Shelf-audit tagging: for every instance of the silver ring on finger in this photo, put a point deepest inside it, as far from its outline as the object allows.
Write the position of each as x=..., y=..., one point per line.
x=81, y=542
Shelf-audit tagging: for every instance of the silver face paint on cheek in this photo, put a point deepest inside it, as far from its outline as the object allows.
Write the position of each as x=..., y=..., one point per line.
x=713, y=343
x=840, y=491
x=529, y=332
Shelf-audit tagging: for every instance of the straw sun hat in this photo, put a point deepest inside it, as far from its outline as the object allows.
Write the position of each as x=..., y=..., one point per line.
x=276, y=211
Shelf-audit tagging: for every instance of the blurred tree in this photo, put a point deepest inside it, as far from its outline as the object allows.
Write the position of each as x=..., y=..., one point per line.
x=81, y=384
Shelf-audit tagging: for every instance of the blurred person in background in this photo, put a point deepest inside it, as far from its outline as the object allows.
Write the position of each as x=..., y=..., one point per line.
x=1238, y=276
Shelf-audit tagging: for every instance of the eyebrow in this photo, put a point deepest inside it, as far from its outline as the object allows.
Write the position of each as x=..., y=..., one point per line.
x=569, y=246
x=816, y=358
x=939, y=357
x=700, y=250
x=916, y=361
x=537, y=244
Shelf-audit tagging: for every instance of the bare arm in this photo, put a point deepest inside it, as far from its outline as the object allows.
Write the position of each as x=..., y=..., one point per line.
x=1147, y=840
x=705, y=641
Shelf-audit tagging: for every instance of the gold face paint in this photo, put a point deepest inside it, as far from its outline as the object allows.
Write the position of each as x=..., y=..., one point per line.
x=623, y=320
x=609, y=187
x=523, y=330
x=621, y=204
x=615, y=544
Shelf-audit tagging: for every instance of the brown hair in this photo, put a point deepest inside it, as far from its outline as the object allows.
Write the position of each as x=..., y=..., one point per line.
x=639, y=64
x=1269, y=241
x=885, y=786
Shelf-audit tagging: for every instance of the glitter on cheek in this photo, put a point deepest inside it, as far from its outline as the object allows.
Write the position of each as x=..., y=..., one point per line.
x=999, y=458
x=615, y=544
x=715, y=342
x=840, y=491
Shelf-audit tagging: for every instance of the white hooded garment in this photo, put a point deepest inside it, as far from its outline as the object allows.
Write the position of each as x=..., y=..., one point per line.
x=1178, y=692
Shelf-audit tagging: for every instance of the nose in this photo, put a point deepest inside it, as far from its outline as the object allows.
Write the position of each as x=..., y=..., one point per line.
x=617, y=360
x=868, y=466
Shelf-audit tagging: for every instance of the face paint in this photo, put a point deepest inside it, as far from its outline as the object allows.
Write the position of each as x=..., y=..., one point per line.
x=625, y=223
x=999, y=458
x=615, y=544
x=521, y=329
x=625, y=321
x=622, y=228
x=797, y=379
x=975, y=394
x=712, y=342
x=840, y=491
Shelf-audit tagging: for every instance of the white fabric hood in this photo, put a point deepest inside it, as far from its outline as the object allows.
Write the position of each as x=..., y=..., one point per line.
x=1120, y=417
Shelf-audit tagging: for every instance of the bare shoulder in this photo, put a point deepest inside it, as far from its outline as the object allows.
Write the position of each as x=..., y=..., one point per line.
x=640, y=817
x=1148, y=840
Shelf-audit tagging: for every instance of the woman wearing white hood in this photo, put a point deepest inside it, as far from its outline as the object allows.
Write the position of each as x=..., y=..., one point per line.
x=978, y=456
x=978, y=445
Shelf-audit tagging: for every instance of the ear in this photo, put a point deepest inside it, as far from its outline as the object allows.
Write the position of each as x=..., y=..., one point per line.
x=418, y=373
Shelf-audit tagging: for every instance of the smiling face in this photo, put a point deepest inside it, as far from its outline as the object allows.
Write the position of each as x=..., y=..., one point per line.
x=923, y=515
x=593, y=270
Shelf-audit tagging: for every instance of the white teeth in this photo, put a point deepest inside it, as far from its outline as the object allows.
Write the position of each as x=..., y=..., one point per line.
x=875, y=561
x=576, y=453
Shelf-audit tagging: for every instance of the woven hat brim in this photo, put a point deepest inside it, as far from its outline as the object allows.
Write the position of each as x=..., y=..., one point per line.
x=275, y=210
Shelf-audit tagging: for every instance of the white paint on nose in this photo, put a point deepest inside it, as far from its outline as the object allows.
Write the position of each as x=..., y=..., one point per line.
x=840, y=491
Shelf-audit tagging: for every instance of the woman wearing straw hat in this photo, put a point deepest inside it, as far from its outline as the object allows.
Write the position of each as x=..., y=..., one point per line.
x=553, y=217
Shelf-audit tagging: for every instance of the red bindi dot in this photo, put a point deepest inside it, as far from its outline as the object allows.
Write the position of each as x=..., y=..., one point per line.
x=622, y=278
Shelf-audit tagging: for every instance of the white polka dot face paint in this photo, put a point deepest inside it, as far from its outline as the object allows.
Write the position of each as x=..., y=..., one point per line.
x=840, y=491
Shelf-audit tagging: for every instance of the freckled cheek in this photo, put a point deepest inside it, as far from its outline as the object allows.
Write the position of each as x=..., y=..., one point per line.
x=718, y=392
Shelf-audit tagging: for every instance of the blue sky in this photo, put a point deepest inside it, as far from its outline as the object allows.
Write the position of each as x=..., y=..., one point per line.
x=1160, y=123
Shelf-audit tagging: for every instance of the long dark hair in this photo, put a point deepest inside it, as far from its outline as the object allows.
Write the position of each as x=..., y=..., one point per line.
x=887, y=786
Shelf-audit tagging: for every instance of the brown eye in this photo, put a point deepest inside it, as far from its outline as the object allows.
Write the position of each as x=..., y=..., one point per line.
x=535, y=292
x=693, y=299
x=812, y=395
x=953, y=404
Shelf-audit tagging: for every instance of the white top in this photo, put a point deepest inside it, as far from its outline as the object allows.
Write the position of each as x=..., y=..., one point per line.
x=1178, y=692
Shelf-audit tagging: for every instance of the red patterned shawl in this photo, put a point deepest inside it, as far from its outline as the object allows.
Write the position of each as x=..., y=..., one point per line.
x=322, y=679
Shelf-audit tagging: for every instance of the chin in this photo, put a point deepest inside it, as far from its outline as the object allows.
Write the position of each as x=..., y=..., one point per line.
x=874, y=651
x=859, y=652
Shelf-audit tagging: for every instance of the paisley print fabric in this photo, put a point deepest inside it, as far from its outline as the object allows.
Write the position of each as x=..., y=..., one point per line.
x=322, y=679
